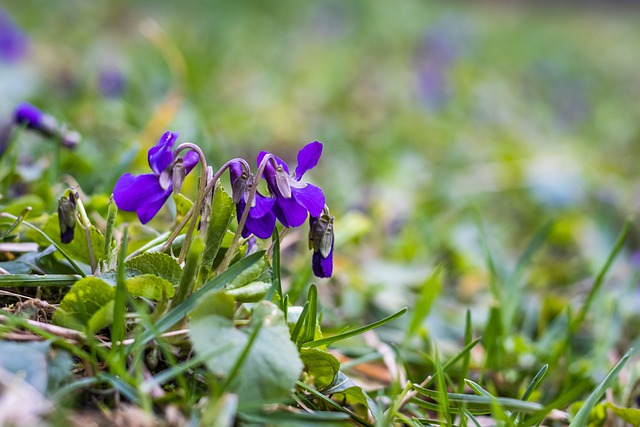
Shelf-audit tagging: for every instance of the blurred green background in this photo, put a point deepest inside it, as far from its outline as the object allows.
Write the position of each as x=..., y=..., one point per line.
x=442, y=123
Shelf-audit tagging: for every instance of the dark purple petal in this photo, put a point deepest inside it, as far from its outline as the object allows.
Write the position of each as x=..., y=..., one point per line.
x=310, y=197
x=260, y=225
x=29, y=115
x=161, y=155
x=322, y=267
x=290, y=212
x=262, y=205
x=269, y=165
x=308, y=158
x=150, y=208
x=190, y=160
x=132, y=192
x=235, y=171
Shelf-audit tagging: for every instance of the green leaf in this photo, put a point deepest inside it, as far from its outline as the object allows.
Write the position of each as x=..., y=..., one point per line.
x=343, y=389
x=183, y=205
x=249, y=275
x=320, y=365
x=222, y=209
x=158, y=264
x=78, y=248
x=175, y=314
x=252, y=292
x=25, y=263
x=429, y=291
x=629, y=415
x=84, y=299
x=101, y=318
x=272, y=365
x=149, y=286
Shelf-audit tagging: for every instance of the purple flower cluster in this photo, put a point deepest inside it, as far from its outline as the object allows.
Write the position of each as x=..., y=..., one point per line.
x=290, y=200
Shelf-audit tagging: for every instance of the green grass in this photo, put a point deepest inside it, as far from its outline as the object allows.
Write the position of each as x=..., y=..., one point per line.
x=480, y=161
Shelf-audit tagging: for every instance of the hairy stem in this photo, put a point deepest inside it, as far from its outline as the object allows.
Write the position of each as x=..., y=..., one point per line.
x=245, y=214
x=205, y=191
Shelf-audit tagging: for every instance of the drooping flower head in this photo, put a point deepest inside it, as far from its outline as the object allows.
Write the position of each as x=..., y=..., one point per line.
x=261, y=220
x=145, y=194
x=321, y=241
x=294, y=199
x=67, y=218
x=31, y=117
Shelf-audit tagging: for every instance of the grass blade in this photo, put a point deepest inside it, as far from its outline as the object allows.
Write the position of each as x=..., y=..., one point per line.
x=582, y=417
x=312, y=313
x=355, y=332
x=44, y=280
x=577, y=321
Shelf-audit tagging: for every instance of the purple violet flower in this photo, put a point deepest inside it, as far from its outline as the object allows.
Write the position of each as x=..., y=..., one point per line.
x=261, y=220
x=293, y=198
x=146, y=194
x=30, y=116
x=321, y=241
x=14, y=43
x=111, y=82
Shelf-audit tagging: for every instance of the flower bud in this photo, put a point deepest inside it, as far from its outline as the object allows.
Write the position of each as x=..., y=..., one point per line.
x=321, y=234
x=241, y=185
x=67, y=218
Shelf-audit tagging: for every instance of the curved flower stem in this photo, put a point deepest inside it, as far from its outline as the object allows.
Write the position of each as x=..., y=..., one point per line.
x=199, y=199
x=207, y=190
x=243, y=219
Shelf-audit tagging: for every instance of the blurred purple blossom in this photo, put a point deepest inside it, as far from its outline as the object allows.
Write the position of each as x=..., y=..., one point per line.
x=33, y=118
x=14, y=43
x=111, y=82
x=442, y=45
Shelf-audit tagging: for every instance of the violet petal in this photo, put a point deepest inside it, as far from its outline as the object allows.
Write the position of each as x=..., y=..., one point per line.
x=161, y=155
x=190, y=160
x=308, y=158
x=290, y=212
x=310, y=197
x=149, y=209
x=322, y=267
x=132, y=192
x=269, y=165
